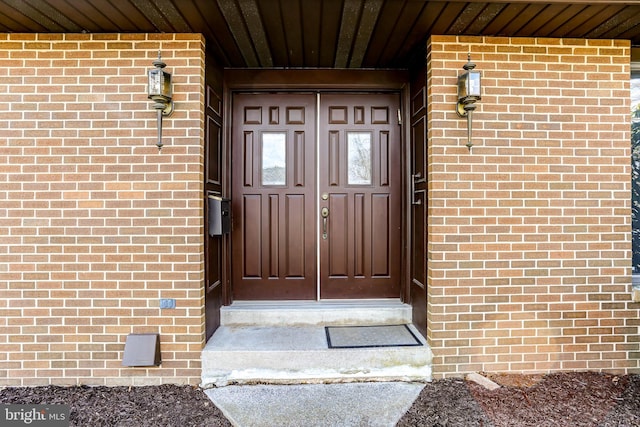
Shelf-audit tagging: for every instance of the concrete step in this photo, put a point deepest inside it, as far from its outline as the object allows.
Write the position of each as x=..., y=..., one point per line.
x=285, y=343
x=300, y=313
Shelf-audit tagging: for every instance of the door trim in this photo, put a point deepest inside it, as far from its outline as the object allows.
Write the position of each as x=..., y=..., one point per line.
x=319, y=80
x=239, y=79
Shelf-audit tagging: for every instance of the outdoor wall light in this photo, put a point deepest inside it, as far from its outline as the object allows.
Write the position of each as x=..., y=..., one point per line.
x=160, y=92
x=469, y=88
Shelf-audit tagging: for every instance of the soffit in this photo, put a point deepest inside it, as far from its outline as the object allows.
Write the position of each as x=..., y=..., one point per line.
x=325, y=33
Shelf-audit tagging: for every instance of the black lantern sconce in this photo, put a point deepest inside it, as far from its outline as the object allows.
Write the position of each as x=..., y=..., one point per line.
x=161, y=93
x=469, y=89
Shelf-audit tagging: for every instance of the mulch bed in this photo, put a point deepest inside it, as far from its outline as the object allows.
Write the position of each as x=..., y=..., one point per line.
x=559, y=399
x=152, y=406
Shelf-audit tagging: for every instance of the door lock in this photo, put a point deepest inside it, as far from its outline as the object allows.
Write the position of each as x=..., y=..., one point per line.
x=324, y=213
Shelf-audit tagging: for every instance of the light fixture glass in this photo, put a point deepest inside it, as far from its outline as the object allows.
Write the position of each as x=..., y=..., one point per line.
x=160, y=91
x=469, y=92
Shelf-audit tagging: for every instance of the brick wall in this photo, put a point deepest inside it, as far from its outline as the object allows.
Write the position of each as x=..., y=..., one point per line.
x=95, y=224
x=529, y=233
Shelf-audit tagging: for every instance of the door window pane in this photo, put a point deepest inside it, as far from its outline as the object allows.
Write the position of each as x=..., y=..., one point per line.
x=274, y=158
x=359, y=158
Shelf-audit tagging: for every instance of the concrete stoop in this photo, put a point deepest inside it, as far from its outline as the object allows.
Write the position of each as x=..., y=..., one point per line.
x=285, y=343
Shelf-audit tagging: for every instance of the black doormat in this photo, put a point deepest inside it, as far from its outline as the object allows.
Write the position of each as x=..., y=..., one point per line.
x=370, y=336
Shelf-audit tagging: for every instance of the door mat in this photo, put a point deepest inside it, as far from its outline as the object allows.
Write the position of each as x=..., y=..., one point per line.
x=370, y=336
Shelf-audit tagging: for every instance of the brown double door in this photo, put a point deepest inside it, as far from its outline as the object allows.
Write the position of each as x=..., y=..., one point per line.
x=316, y=197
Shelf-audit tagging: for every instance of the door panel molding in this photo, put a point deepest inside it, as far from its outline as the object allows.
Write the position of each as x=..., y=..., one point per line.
x=418, y=206
x=337, y=236
x=216, y=277
x=238, y=82
x=362, y=155
x=273, y=242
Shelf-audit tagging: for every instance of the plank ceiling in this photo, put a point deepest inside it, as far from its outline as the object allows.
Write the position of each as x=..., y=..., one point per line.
x=325, y=33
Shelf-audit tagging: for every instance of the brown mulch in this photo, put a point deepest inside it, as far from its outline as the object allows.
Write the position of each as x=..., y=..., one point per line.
x=559, y=399
x=152, y=406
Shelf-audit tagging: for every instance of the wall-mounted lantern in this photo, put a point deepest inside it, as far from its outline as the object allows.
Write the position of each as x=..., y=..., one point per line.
x=161, y=93
x=469, y=91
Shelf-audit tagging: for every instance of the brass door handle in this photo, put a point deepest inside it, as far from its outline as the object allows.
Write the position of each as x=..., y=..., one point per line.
x=324, y=212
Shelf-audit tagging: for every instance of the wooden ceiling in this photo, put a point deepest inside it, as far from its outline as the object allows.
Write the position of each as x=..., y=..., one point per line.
x=325, y=33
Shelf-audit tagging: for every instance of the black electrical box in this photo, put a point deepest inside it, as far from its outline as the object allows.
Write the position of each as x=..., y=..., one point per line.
x=219, y=215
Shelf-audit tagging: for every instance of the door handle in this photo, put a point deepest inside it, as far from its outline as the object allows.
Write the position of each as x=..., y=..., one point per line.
x=415, y=177
x=324, y=213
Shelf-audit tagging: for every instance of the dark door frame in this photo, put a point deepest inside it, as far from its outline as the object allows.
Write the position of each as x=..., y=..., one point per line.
x=274, y=80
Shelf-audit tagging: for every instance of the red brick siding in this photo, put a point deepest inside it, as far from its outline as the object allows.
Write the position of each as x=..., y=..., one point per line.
x=529, y=233
x=96, y=225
